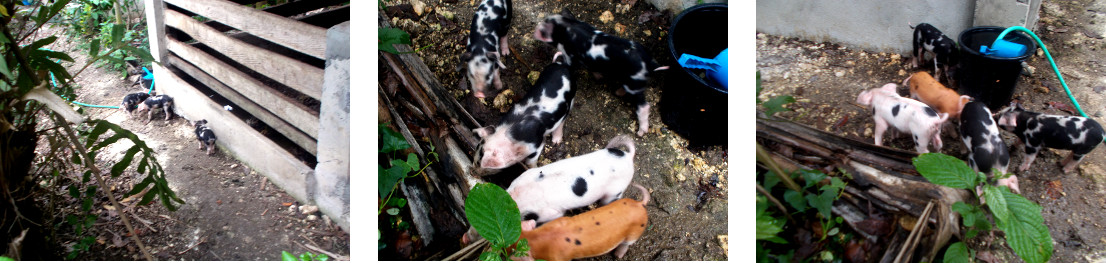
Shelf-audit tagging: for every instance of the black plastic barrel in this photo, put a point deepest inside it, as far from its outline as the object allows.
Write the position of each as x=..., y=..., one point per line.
x=987, y=78
x=690, y=106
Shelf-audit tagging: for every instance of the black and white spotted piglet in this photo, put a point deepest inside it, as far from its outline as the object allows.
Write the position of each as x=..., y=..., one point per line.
x=546, y=192
x=157, y=102
x=1078, y=134
x=987, y=150
x=132, y=100
x=945, y=51
x=521, y=133
x=905, y=114
x=487, y=39
x=205, y=136
x=624, y=61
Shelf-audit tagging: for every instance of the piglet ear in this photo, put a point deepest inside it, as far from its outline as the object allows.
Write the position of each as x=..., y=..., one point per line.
x=483, y=131
x=566, y=13
x=465, y=57
x=498, y=60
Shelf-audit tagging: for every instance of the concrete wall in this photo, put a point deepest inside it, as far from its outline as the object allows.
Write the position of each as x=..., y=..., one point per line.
x=874, y=25
x=330, y=185
x=883, y=25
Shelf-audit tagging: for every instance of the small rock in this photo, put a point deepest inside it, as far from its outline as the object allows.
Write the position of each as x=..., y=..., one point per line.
x=436, y=27
x=1098, y=114
x=309, y=209
x=619, y=28
x=839, y=74
x=1041, y=89
x=232, y=166
x=647, y=32
x=291, y=209
x=503, y=100
x=1040, y=52
x=418, y=6
x=1027, y=69
x=724, y=242
x=902, y=72
x=533, y=77
x=446, y=13
x=896, y=57
x=326, y=220
x=312, y=218
x=606, y=17
x=1099, y=89
x=1092, y=33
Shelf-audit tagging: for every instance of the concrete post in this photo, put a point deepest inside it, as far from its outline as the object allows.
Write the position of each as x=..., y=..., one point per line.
x=330, y=185
x=1007, y=13
x=155, y=29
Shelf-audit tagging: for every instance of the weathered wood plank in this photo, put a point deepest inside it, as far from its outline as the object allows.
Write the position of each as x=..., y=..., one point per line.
x=237, y=138
x=155, y=14
x=288, y=109
x=300, y=36
x=297, y=75
x=295, y=135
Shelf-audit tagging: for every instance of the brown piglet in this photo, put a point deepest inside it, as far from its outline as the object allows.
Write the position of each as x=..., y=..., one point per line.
x=928, y=90
x=593, y=233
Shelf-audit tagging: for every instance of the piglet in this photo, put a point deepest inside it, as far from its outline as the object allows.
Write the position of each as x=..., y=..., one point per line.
x=546, y=192
x=521, y=133
x=926, y=89
x=626, y=62
x=132, y=100
x=615, y=226
x=205, y=136
x=988, y=152
x=157, y=102
x=905, y=115
x=945, y=51
x=487, y=39
x=1078, y=134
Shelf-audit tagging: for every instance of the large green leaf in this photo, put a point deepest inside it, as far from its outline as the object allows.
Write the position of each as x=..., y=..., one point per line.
x=393, y=141
x=117, y=31
x=388, y=36
x=1026, y=232
x=775, y=104
x=996, y=202
x=494, y=214
x=389, y=177
x=767, y=226
x=795, y=199
x=823, y=202
x=121, y=166
x=973, y=218
x=957, y=253
x=945, y=170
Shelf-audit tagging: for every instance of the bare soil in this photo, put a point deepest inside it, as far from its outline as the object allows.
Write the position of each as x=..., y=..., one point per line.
x=688, y=210
x=826, y=77
x=230, y=211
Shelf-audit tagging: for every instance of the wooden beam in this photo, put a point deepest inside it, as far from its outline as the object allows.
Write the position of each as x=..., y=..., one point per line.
x=237, y=138
x=300, y=76
x=155, y=28
x=300, y=7
x=288, y=109
x=297, y=35
x=329, y=18
x=295, y=135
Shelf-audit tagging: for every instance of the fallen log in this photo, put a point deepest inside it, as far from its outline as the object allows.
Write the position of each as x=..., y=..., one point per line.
x=883, y=177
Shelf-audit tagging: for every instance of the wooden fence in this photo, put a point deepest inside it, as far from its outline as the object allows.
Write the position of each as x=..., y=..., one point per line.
x=267, y=64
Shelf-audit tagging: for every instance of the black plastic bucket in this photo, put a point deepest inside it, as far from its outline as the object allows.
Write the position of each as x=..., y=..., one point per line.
x=987, y=78
x=692, y=107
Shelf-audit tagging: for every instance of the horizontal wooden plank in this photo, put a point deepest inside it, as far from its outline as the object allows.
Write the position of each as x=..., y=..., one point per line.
x=285, y=10
x=297, y=75
x=236, y=137
x=297, y=35
x=288, y=109
x=295, y=135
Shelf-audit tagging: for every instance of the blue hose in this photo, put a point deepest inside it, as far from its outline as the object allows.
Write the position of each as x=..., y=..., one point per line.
x=1050, y=61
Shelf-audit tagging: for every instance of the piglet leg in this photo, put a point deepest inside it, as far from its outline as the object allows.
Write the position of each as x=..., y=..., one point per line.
x=1071, y=162
x=558, y=132
x=1029, y=157
x=506, y=50
x=642, y=119
x=881, y=126
x=1011, y=182
x=621, y=250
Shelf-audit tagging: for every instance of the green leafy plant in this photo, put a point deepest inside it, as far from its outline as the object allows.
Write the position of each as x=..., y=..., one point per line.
x=774, y=104
x=1015, y=215
x=102, y=22
x=495, y=216
x=400, y=169
x=33, y=85
x=306, y=256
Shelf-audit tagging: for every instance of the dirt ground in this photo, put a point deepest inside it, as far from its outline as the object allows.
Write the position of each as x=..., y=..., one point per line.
x=230, y=212
x=688, y=209
x=826, y=78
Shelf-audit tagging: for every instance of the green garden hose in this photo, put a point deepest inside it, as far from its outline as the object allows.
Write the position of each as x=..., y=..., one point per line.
x=1050, y=61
